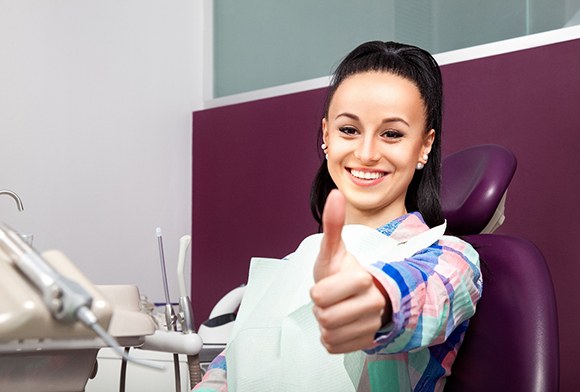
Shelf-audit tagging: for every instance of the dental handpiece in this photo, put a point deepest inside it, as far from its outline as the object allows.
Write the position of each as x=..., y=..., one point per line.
x=186, y=311
x=66, y=300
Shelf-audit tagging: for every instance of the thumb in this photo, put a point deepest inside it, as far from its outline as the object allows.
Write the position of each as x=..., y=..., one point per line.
x=332, y=249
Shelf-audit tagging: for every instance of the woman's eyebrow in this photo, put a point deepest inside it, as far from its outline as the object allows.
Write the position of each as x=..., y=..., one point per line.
x=349, y=115
x=395, y=119
x=384, y=121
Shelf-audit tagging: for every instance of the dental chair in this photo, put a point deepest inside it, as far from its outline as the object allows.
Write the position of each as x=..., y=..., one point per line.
x=511, y=343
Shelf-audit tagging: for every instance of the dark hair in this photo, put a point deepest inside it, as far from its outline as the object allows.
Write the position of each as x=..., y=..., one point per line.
x=419, y=67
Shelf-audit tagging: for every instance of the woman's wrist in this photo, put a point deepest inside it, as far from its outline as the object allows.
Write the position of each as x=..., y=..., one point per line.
x=387, y=310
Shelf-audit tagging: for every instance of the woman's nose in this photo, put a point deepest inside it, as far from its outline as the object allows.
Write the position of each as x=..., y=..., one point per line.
x=367, y=151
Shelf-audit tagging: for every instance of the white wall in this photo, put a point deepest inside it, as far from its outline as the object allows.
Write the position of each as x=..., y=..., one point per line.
x=95, y=129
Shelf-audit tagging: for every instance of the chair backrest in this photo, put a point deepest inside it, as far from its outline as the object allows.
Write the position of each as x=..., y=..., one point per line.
x=473, y=188
x=511, y=343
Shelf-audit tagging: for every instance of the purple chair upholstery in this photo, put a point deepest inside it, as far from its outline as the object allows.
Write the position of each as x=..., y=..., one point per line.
x=511, y=343
x=474, y=181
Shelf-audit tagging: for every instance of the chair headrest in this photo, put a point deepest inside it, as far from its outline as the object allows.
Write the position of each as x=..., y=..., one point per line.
x=473, y=188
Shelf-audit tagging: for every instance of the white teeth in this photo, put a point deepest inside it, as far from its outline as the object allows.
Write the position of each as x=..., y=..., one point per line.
x=366, y=175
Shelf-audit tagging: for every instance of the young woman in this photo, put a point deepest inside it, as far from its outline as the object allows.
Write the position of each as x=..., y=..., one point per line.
x=387, y=291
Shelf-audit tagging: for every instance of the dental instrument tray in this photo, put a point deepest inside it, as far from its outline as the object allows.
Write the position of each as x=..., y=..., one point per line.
x=53, y=321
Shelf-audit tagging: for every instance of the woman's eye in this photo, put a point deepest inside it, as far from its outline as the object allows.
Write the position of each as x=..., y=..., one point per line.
x=348, y=130
x=392, y=134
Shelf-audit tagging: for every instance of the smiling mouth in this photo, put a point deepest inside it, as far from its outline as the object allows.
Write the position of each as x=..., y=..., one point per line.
x=366, y=175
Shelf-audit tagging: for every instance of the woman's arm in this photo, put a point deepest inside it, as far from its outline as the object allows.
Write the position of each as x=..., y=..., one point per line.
x=348, y=305
x=425, y=297
x=430, y=293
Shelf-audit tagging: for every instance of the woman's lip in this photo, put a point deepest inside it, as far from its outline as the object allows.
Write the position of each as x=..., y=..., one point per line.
x=371, y=177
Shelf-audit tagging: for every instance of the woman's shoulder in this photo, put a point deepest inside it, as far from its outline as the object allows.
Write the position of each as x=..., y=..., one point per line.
x=412, y=224
x=455, y=246
x=455, y=242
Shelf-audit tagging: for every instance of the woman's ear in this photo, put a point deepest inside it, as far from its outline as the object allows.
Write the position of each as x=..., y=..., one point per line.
x=324, y=131
x=428, y=141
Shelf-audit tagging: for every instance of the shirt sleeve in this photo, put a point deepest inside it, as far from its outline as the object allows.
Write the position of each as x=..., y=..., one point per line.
x=215, y=378
x=431, y=294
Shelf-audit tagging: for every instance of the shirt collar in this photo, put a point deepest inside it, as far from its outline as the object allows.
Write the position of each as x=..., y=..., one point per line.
x=404, y=227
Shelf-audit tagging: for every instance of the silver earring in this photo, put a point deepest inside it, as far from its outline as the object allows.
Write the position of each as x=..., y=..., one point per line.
x=324, y=148
x=420, y=166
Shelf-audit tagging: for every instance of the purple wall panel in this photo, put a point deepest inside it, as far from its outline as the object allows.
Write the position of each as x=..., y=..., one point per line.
x=254, y=160
x=251, y=161
x=529, y=101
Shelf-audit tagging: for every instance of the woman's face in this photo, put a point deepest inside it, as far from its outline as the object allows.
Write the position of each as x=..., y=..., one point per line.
x=375, y=133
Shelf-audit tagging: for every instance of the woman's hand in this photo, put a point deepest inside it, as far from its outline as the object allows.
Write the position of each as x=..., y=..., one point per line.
x=348, y=305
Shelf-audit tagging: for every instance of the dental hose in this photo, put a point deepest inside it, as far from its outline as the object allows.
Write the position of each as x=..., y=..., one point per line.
x=176, y=370
x=194, y=370
x=186, y=311
x=193, y=362
x=123, y=375
x=88, y=318
x=169, y=313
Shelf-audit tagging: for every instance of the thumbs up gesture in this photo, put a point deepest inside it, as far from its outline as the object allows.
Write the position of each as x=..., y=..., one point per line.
x=349, y=306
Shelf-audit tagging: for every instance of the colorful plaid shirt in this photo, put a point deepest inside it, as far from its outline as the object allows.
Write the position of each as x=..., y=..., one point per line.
x=433, y=295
